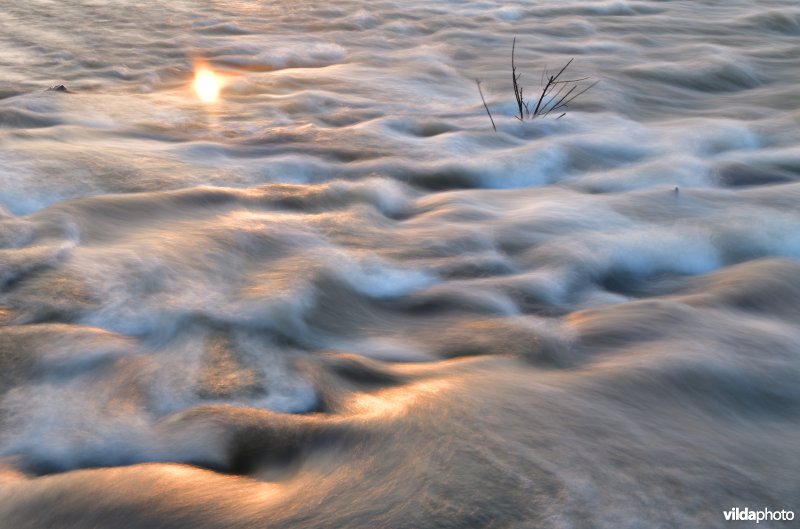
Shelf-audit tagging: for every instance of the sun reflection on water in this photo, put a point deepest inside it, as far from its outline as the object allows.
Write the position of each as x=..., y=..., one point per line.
x=207, y=83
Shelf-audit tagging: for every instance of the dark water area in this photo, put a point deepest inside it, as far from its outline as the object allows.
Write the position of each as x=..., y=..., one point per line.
x=336, y=297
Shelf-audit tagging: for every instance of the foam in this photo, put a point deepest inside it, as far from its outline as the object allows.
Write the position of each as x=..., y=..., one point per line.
x=355, y=304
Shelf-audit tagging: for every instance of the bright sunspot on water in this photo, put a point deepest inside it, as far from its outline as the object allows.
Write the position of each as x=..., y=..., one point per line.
x=207, y=84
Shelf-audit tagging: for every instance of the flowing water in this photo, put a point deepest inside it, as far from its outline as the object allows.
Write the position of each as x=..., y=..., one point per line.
x=337, y=298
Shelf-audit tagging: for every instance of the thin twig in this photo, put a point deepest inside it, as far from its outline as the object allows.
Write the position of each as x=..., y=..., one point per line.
x=552, y=96
x=572, y=80
x=556, y=76
x=478, y=82
x=558, y=103
x=558, y=93
x=551, y=81
x=541, y=97
x=582, y=91
x=515, y=79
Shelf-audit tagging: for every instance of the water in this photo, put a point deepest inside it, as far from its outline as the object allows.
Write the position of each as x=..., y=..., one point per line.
x=338, y=298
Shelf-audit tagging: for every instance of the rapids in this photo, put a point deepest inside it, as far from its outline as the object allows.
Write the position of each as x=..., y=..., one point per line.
x=337, y=298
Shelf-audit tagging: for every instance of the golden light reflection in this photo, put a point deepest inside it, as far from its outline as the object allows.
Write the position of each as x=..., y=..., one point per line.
x=9, y=474
x=395, y=401
x=207, y=83
x=181, y=484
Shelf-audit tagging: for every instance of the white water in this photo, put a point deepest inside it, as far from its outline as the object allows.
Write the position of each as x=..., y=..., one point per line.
x=338, y=298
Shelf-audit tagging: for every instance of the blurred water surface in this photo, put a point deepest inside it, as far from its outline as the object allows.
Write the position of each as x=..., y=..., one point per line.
x=337, y=298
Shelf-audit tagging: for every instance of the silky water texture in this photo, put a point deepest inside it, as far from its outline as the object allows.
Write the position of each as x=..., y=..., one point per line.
x=336, y=297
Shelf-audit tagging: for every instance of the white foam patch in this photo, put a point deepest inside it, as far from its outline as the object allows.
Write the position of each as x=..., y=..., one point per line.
x=508, y=13
x=291, y=55
x=389, y=196
x=379, y=279
x=365, y=19
x=646, y=252
x=416, y=232
x=668, y=171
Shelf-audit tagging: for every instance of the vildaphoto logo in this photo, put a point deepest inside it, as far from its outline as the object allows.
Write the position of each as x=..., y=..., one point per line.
x=741, y=515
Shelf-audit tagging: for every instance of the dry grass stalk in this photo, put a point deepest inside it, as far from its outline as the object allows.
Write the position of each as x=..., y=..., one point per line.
x=478, y=82
x=556, y=93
